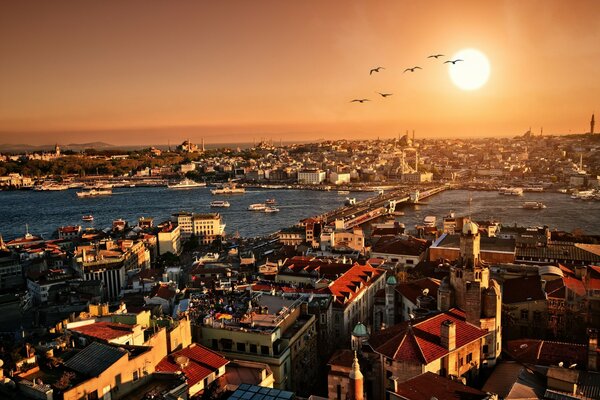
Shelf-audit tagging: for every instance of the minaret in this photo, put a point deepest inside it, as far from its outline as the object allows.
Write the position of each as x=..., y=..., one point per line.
x=592, y=123
x=203, y=145
x=356, y=381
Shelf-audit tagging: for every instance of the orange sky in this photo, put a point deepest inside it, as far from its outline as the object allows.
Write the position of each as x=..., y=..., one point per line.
x=141, y=72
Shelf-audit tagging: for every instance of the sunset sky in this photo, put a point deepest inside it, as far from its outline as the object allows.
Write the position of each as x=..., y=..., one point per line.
x=149, y=72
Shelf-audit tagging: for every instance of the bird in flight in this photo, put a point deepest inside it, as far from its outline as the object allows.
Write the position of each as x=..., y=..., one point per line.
x=359, y=100
x=435, y=56
x=453, y=61
x=375, y=70
x=412, y=69
x=385, y=94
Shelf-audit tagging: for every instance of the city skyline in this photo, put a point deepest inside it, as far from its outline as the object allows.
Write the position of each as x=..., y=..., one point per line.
x=138, y=73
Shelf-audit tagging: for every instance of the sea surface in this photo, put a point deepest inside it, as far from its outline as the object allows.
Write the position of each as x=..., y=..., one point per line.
x=44, y=212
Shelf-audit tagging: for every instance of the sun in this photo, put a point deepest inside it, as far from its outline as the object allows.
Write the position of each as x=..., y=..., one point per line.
x=471, y=73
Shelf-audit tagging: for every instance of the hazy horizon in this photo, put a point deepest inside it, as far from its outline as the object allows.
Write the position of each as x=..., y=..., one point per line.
x=138, y=72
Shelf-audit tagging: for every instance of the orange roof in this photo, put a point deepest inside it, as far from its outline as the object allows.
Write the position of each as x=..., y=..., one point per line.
x=105, y=330
x=201, y=362
x=352, y=282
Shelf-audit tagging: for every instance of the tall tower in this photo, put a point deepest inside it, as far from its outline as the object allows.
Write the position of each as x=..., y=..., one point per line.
x=356, y=381
x=592, y=123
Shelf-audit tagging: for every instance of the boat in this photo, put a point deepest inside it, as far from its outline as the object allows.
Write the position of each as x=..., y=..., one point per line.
x=88, y=218
x=94, y=193
x=228, y=189
x=343, y=192
x=257, y=207
x=219, y=203
x=429, y=220
x=583, y=195
x=562, y=190
x=513, y=191
x=187, y=184
x=534, y=205
x=271, y=209
x=350, y=201
x=270, y=201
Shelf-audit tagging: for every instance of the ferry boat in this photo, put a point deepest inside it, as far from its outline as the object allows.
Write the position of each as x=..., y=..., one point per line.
x=88, y=218
x=228, y=190
x=219, y=203
x=271, y=209
x=583, y=195
x=429, y=220
x=343, y=192
x=271, y=201
x=187, y=184
x=94, y=193
x=514, y=191
x=534, y=205
x=257, y=207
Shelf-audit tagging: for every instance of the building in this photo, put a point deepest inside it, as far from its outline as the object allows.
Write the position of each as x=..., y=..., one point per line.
x=200, y=365
x=69, y=232
x=292, y=236
x=470, y=288
x=405, y=251
x=429, y=386
x=208, y=227
x=266, y=329
x=339, y=178
x=499, y=250
x=525, y=306
x=311, y=176
x=109, y=261
x=169, y=239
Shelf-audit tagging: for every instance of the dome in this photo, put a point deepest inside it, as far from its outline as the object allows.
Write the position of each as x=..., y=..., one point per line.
x=470, y=228
x=391, y=280
x=360, y=330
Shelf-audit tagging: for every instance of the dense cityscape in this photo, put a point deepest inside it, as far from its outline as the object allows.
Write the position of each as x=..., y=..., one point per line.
x=347, y=303
x=299, y=200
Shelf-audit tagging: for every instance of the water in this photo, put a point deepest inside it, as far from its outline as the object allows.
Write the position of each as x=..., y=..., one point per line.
x=46, y=211
x=562, y=212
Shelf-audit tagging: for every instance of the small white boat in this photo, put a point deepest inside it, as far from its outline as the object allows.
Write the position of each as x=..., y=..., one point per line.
x=94, y=193
x=343, y=192
x=534, y=205
x=271, y=209
x=219, y=203
x=271, y=201
x=257, y=207
x=88, y=218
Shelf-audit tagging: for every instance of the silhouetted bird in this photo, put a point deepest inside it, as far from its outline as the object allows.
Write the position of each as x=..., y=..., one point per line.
x=453, y=61
x=385, y=94
x=435, y=56
x=412, y=69
x=375, y=70
x=359, y=100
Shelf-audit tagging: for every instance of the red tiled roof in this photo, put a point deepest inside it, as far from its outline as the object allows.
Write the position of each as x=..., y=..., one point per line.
x=429, y=386
x=202, y=362
x=421, y=342
x=522, y=289
x=575, y=285
x=104, y=330
x=346, y=287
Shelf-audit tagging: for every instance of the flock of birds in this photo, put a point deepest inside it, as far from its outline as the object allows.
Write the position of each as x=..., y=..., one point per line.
x=411, y=69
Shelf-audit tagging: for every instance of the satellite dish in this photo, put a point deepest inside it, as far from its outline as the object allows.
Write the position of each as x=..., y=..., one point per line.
x=425, y=292
x=572, y=366
x=560, y=364
x=411, y=316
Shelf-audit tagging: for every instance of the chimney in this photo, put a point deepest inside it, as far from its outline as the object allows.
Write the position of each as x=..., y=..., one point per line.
x=592, y=350
x=448, y=334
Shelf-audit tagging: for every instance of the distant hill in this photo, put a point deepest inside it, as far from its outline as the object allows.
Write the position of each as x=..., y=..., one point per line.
x=23, y=148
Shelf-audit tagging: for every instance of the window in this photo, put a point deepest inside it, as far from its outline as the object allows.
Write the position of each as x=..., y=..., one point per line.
x=524, y=314
x=241, y=347
x=485, y=349
x=136, y=375
x=469, y=357
x=537, y=315
x=461, y=362
x=339, y=392
x=253, y=348
x=264, y=350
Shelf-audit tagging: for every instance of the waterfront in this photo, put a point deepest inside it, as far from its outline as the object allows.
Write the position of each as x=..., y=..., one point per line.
x=43, y=212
